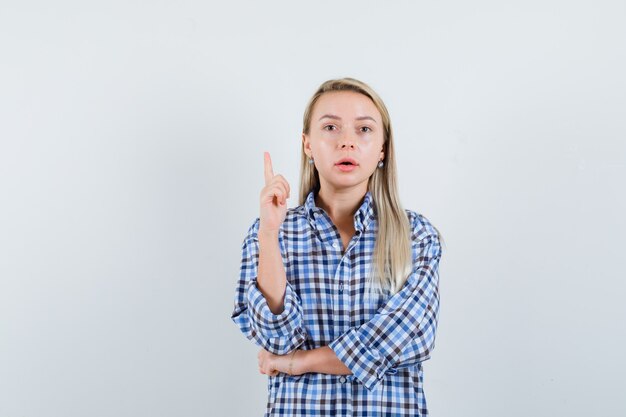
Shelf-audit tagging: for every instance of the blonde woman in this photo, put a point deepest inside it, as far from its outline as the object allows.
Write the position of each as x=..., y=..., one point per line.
x=341, y=292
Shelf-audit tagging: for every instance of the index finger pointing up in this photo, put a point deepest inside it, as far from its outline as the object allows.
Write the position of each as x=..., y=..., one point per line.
x=269, y=173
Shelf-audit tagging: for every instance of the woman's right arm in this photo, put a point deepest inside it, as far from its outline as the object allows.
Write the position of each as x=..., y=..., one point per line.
x=267, y=309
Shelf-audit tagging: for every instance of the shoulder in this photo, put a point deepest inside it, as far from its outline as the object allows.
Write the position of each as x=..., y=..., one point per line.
x=421, y=227
x=425, y=237
x=253, y=229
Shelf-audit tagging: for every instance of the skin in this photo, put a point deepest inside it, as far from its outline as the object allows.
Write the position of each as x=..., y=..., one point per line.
x=345, y=134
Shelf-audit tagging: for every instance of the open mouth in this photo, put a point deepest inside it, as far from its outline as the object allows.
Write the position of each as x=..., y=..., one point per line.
x=347, y=162
x=346, y=166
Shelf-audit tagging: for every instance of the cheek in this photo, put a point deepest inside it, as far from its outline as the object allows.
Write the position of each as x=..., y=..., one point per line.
x=327, y=139
x=325, y=147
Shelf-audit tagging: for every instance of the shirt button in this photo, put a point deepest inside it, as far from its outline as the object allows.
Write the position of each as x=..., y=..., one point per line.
x=341, y=287
x=342, y=379
x=335, y=245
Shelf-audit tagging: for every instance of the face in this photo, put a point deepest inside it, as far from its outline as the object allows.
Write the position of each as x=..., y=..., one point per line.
x=345, y=124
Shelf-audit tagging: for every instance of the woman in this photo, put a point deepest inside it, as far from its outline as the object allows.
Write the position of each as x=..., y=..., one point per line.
x=341, y=292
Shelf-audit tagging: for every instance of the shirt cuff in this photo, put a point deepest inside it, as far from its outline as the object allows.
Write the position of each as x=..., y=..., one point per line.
x=274, y=325
x=367, y=365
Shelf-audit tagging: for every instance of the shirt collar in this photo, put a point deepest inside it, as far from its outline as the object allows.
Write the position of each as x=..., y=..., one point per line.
x=364, y=214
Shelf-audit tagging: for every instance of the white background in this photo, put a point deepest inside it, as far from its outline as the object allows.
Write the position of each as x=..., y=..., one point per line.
x=131, y=160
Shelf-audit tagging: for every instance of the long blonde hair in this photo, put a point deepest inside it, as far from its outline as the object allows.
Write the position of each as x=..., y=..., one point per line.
x=392, y=257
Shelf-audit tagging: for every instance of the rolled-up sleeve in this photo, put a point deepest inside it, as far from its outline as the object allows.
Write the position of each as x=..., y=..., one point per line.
x=402, y=333
x=277, y=333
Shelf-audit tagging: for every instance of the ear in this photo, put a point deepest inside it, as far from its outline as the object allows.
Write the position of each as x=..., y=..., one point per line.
x=306, y=144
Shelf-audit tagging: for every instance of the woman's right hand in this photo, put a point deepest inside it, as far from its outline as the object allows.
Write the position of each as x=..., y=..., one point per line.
x=273, y=199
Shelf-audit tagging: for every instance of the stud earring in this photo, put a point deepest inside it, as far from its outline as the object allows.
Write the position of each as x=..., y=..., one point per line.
x=311, y=161
x=380, y=164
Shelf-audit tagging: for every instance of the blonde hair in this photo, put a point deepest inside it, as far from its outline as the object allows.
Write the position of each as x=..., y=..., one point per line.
x=392, y=257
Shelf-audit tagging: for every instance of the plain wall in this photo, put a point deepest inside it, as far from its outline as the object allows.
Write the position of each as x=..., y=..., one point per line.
x=131, y=161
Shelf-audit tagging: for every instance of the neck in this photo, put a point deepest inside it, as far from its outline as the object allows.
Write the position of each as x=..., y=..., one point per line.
x=340, y=205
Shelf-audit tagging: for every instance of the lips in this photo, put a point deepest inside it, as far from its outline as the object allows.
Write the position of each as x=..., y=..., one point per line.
x=347, y=162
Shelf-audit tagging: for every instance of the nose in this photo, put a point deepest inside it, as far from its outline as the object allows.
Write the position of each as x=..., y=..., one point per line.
x=346, y=141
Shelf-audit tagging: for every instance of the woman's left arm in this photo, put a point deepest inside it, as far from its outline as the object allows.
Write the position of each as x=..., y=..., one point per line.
x=402, y=333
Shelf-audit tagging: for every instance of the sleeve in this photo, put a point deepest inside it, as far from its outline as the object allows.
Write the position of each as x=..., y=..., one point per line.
x=277, y=333
x=402, y=333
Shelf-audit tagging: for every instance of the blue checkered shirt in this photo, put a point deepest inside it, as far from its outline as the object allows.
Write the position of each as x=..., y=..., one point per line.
x=382, y=339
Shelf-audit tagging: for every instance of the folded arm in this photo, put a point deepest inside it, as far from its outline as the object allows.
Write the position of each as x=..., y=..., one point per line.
x=402, y=333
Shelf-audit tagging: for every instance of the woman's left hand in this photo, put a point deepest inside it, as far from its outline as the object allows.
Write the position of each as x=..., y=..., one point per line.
x=271, y=364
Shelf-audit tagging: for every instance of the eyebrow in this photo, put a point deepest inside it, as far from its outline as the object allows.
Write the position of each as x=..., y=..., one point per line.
x=332, y=116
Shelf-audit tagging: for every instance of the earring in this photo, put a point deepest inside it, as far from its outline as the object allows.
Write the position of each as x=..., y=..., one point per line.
x=380, y=164
x=310, y=160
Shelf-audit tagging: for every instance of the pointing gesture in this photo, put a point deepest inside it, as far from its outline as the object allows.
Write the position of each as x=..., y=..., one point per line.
x=273, y=198
x=269, y=172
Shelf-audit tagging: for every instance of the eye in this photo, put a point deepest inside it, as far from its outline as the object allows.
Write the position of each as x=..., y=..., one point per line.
x=367, y=127
x=328, y=126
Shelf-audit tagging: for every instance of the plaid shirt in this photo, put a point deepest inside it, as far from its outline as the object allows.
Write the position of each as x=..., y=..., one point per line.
x=382, y=339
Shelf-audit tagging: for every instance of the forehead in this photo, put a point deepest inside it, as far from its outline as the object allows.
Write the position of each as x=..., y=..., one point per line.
x=345, y=104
